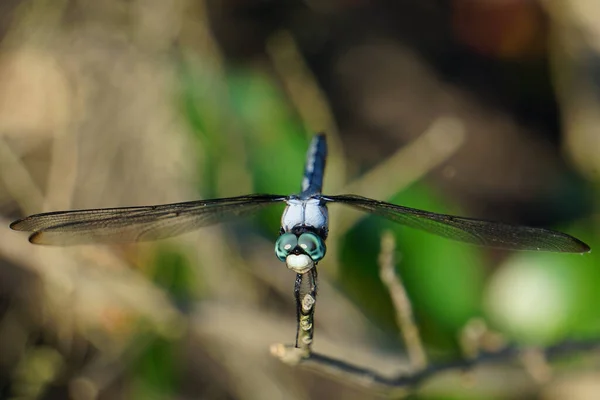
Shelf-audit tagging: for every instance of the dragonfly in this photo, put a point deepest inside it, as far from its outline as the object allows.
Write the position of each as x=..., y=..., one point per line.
x=304, y=228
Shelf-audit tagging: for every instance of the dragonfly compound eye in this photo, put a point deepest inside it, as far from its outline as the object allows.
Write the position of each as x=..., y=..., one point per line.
x=285, y=244
x=312, y=245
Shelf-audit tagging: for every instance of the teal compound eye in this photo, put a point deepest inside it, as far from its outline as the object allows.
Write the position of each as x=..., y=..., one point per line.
x=284, y=245
x=312, y=245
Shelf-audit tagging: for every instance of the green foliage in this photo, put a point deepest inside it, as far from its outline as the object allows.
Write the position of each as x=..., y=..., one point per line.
x=173, y=272
x=156, y=373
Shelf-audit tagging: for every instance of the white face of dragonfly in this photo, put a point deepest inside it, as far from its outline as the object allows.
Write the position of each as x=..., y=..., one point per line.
x=299, y=263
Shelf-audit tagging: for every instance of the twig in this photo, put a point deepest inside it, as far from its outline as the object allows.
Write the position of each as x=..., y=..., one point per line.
x=402, y=305
x=407, y=382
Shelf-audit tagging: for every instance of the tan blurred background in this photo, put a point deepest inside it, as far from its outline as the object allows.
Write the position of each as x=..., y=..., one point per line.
x=484, y=108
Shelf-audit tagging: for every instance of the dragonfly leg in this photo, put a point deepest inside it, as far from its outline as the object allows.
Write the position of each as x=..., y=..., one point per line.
x=297, y=286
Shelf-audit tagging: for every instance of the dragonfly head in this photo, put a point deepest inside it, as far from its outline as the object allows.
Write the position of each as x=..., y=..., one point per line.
x=301, y=251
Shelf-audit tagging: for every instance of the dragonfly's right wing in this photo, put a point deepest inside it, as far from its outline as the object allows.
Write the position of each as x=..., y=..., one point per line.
x=468, y=230
x=135, y=224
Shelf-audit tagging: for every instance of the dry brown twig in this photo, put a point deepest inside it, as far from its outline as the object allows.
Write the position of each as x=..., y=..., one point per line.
x=401, y=302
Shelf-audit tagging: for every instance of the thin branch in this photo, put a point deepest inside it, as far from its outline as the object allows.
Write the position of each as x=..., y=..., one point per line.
x=402, y=305
x=408, y=382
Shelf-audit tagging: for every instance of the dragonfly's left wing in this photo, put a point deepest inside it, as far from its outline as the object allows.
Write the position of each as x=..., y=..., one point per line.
x=134, y=224
x=469, y=230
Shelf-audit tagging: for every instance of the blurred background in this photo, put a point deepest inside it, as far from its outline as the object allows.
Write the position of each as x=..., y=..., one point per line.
x=487, y=109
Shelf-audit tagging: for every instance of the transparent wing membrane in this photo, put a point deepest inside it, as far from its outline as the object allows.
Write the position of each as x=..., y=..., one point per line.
x=134, y=224
x=485, y=233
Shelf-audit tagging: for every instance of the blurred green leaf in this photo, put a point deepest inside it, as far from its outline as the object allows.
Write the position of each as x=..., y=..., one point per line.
x=156, y=375
x=273, y=134
x=173, y=272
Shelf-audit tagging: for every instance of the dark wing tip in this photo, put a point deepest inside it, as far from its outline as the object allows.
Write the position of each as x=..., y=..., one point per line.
x=584, y=247
x=36, y=238
x=575, y=245
x=49, y=239
x=19, y=225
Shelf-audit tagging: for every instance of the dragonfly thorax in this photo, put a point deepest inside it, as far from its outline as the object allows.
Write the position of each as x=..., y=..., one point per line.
x=310, y=212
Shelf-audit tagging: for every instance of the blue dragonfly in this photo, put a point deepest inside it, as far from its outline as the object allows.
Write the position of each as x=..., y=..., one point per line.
x=304, y=228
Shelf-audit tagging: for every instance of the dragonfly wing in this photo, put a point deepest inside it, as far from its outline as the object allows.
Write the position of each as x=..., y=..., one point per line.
x=485, y=233
x=134, y=224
